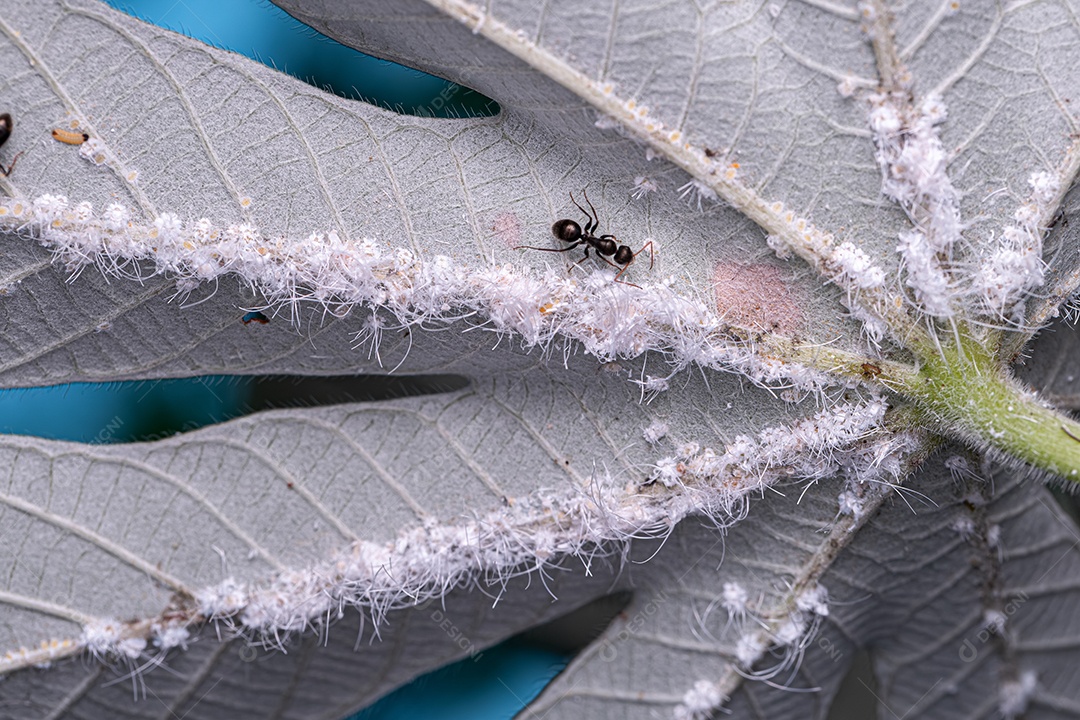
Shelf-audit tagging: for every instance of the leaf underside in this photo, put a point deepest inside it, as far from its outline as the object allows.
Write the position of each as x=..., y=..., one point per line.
x=123, y=531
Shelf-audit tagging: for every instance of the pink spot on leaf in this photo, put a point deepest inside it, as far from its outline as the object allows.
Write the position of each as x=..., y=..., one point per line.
x=507, y=228
x=756, y=297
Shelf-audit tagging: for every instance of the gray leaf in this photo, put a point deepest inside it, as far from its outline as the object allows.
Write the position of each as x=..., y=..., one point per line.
x=252, y=542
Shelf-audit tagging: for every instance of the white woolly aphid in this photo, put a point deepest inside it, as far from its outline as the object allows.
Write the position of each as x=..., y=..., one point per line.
x=734, y=600
x=792, y=634
x=964, y=526
x=814, y=599
x=223, y=600
x=994, y=620
x=105, y=639
x=655, y=432
x=428, y=561
x=695, y=190
x=914, y=163
x=925, y=274
x=856, y=266
x=1015, y=695
x=700, y=702
x=851, y=502
x=611, y=320
x=1015, y=265
x=913, y=166
x=667, y=471
x=749, y=648
x=167, y=636
x=873, y=327
x=642, y=187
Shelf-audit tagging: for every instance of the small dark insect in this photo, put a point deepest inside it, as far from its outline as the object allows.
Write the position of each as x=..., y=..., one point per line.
x=570, y=232
x=870, y=371
x=6, y=125
x=255, y=317
x=1060, y=219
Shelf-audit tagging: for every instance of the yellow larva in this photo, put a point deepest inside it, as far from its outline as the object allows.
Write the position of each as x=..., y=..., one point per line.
x=70, y=137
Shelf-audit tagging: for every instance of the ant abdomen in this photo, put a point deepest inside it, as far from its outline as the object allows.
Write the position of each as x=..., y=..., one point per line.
x=566, y=230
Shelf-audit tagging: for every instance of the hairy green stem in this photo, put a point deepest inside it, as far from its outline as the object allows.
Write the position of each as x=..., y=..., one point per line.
x=961, y=387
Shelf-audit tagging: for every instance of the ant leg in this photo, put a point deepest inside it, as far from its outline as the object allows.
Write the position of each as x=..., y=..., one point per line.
x=595, y=214
x=619, y=275
x=582, y=259
x=592, y=224
x=608, y=261
x=614, y=250
x=651, y=257
x=10, y=168
x=631, y=260
x=533, y=247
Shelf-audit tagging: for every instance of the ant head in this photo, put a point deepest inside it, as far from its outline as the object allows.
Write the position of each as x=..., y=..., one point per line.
x=623, y=255
x=566, y=230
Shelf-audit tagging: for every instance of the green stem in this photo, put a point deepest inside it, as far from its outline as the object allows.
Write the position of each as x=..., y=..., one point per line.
x=963, y=388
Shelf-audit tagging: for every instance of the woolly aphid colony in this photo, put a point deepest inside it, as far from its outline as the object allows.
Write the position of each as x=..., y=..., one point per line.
x=610, y=321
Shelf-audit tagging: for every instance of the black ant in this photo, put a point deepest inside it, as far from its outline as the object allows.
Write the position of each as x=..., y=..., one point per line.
x=5, y=132
x=569, y=231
